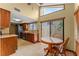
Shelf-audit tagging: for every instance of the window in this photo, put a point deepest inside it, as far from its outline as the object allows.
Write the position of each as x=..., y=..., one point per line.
x=32, y=26
x=50, y=9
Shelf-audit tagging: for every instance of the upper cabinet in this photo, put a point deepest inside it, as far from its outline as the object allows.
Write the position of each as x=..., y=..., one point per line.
x=4, y=18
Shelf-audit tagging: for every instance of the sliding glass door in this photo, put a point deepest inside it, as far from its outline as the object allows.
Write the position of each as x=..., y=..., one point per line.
x=57, y=27
x=49, y=28
x=45, y=29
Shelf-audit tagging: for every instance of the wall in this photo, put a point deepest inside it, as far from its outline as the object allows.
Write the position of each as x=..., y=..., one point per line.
x=76, y=6
x=5, y=31
x=68, y=13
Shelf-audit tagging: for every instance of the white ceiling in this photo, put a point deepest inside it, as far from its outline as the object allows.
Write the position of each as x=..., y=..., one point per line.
x=23, y=19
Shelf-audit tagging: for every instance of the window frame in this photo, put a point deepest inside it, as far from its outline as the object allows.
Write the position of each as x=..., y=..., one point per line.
x=62, y=18
x=48, y=6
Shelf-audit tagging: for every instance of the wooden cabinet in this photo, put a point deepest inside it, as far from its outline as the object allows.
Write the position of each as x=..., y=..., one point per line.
x=32, y=37
x=4, y=18
x=77, y=21
x=77, y=48
x=8, y=45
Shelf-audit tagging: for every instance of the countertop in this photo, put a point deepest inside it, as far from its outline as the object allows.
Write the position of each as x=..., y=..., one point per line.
x=30, y=32
x=7, y=35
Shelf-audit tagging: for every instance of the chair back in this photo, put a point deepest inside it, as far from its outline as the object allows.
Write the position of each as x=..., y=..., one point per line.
x=65, y=42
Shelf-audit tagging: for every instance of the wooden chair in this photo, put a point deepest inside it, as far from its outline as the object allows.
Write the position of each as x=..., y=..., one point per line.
x=60, y=49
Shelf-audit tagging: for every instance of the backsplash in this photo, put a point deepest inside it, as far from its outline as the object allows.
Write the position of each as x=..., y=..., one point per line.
x=5, y=31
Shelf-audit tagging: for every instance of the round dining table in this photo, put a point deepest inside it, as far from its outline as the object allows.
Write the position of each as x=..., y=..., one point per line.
x=51, y=42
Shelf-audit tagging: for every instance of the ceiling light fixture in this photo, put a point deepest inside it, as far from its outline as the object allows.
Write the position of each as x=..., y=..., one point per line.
x=18, y=20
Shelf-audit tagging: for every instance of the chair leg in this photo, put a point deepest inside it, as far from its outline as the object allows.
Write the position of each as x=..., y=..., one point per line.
x=64, y=52
x=56, y=53
x=47, y=53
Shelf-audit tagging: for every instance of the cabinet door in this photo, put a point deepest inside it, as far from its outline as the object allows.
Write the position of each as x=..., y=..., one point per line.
x=11, y=45
x=77, y=48
x=5, y=18
x=8, y=46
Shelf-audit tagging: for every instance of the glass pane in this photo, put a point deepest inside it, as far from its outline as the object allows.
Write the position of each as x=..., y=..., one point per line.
x=50, y=9
x=45, y=29
x=32, y=26
x=57, y=28
x=35, y=26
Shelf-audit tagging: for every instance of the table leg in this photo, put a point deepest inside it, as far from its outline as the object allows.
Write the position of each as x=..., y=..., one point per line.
x=49, y=49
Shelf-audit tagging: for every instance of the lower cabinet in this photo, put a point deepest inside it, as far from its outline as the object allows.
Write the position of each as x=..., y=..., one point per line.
x=32, y=37
x=8, y=46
